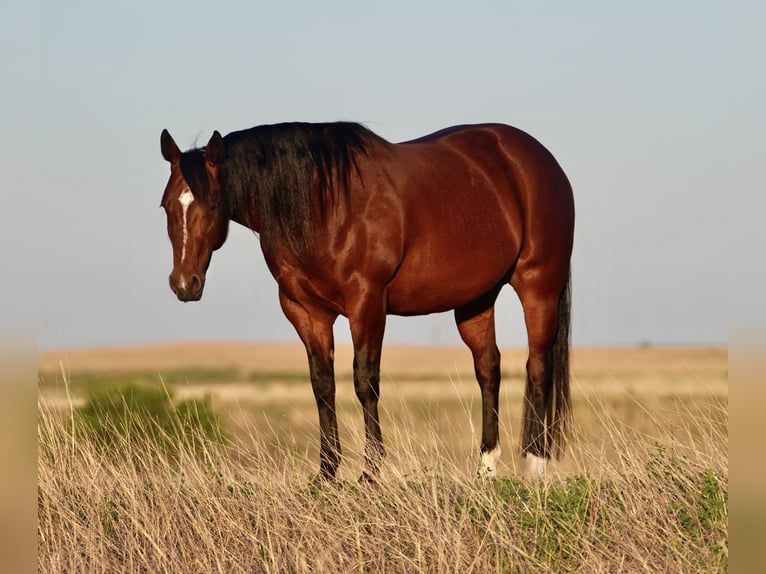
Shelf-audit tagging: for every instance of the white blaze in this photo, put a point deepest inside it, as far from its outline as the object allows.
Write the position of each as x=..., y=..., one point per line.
x=185, y=199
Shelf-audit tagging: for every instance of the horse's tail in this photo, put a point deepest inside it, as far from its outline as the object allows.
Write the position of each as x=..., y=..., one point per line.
x=559, y=407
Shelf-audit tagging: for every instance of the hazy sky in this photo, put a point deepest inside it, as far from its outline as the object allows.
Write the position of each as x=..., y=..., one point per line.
x=650, y=107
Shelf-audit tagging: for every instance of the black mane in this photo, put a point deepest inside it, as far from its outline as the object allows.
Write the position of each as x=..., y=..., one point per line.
x=282, y=173
x=192, y=164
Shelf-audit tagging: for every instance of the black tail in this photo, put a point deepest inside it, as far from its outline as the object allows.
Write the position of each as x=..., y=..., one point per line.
x=559, y=401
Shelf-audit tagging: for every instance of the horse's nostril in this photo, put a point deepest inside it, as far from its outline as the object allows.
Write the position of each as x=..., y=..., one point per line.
x=195, y=285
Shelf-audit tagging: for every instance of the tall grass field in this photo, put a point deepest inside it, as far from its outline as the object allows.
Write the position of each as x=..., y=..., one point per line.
x=202, y=458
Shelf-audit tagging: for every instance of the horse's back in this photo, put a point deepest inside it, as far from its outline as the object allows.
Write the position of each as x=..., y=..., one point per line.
x=500, y=160
x=535, y=192
x=466, y=196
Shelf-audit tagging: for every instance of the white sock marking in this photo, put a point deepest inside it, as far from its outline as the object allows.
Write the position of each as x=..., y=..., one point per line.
x=185, y=199
x=489, y=463
x=535, y=467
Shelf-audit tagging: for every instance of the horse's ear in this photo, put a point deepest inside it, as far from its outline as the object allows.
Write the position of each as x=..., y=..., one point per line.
x=169, y=148
x=214, y=151
x=214, y=156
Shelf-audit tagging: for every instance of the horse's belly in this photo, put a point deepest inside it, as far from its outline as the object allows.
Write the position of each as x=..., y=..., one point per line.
x=436, y=283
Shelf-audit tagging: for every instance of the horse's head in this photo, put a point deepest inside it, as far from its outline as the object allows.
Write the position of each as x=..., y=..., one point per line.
x=197, y=217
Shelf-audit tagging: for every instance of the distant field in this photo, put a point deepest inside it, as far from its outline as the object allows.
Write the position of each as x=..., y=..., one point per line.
x=266, y=386
x=273, y=356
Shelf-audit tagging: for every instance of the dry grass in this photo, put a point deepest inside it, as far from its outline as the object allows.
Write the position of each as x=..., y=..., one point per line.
x=644, y=486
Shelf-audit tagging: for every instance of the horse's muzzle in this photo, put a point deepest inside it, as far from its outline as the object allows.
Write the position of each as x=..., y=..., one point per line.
x=187, y=289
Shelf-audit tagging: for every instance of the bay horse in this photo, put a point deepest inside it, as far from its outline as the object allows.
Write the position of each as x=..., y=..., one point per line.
x=351, y=224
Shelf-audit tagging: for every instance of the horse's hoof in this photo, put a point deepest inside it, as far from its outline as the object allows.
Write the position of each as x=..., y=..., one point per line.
x=487, y=475
x=535, y=469
x=368, y=479
x=320, y=482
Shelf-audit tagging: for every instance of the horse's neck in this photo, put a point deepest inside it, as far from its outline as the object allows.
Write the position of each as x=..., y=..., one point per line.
x=251, y=223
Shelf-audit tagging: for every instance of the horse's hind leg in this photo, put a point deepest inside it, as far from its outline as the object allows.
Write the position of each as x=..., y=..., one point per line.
x=476, y=324
x=547, y=404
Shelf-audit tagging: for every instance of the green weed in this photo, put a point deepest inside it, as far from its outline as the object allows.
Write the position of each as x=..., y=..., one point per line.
x=136, y=414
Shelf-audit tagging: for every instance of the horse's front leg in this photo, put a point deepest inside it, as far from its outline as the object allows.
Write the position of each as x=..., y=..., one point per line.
x=367, y=319
x=315, y=330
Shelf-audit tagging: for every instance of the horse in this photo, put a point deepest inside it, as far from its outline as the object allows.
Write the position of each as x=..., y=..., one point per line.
x=351, y=224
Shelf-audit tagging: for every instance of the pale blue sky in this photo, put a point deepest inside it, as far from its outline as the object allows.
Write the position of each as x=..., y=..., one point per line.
x=650, y=107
